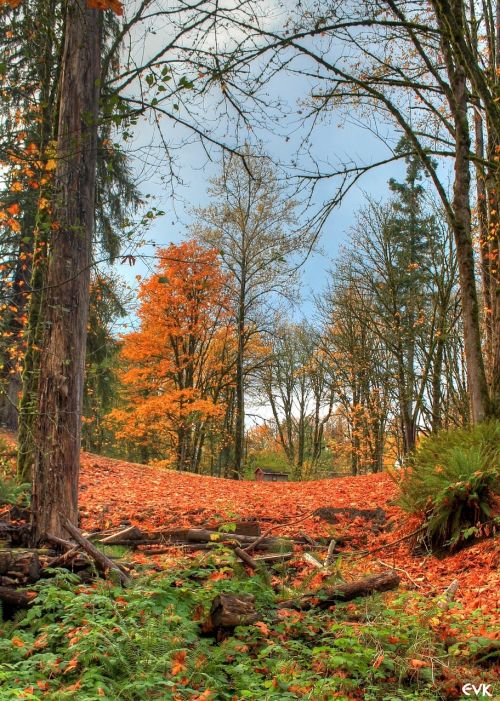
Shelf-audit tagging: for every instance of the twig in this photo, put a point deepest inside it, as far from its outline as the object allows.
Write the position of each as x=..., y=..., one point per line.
x=310, y=541
x=273, y=528
x=363, y=553
x=400, y=569
x=62, y=559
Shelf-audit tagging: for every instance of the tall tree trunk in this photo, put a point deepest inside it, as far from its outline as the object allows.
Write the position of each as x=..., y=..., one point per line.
x=239, y=415
x=476, y=375
x=37, y=227
x=301, y=439
x=62, y=361
x=493, y=153
x=485, y=247
x=461, y=224
x=436, y=393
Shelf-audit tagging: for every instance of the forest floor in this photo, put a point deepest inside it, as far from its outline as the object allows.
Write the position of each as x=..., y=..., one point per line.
x=148, y=640
x=114, y=492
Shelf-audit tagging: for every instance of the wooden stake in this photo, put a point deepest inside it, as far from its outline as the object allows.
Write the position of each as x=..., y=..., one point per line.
x=330, y=556
x=447, y=596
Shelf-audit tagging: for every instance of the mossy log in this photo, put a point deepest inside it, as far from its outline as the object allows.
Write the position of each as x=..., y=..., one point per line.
x=19, y=566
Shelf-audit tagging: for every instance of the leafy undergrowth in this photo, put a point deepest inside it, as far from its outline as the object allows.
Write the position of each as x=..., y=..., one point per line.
x=453, y=479
x=112, y=491
x=144, y=642
x=11, y=492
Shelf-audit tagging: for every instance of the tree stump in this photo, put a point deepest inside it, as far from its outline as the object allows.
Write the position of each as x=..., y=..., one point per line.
x=228, y=611
x=14, y=599
x=250, y=528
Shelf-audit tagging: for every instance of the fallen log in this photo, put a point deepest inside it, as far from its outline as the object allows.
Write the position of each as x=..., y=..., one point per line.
x=228, y=611
x=202, y=535
x=344, y=591
x=131, y=533
x=270, y=558
x=16, y=598
x=60, y=543
x=135, y=543
x=193, y=536
x=244, y=557
x=102, y=560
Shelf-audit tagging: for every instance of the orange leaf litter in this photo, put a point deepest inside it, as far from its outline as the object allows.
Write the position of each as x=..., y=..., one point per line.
x=113, y=491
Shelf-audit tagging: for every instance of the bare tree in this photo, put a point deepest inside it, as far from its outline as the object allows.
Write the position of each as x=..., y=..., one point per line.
x=251, y=221
x=392, y=62
x=294, y=384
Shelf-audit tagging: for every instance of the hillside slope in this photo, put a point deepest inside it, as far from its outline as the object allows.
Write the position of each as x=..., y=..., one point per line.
x=114, y=492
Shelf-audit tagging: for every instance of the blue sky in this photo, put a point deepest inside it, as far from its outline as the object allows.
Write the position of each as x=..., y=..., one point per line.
x=351, y=141
x=335, y=139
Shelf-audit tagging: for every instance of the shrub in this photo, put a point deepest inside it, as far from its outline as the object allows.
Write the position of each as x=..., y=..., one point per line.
x=451, y=480
x=11, y=491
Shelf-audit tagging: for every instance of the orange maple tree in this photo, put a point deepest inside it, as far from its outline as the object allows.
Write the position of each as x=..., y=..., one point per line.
x=179, y=359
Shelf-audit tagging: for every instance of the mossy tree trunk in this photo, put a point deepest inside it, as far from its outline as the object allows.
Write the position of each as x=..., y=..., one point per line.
x=57, y=427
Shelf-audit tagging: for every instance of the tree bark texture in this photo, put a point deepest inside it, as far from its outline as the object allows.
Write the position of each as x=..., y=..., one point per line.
x=476, y=375
x=65, y=308
x=239, y=437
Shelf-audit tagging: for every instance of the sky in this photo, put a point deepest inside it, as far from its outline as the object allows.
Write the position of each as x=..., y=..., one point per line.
x=173, y=226
x=331, y=140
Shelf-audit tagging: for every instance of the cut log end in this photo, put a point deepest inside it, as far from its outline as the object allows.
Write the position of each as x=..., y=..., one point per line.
x=228, y=611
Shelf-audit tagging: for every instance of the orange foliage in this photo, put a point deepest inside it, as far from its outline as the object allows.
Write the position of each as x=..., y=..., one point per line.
x=177, y=361
x=115, y=5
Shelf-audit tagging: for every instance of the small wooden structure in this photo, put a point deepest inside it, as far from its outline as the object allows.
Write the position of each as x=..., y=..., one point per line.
x=265, y=475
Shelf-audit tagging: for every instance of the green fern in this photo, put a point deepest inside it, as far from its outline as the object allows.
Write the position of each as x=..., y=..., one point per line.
x=13, y=493
x=452, y=480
